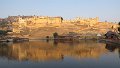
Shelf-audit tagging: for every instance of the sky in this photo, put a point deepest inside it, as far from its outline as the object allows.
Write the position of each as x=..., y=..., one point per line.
x=106, y=10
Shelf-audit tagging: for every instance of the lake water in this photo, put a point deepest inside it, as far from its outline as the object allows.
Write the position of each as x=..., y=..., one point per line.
x=62, y=54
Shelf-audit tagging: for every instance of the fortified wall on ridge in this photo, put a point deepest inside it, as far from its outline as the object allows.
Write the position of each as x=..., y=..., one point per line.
x=34, y=22
x=41, y=26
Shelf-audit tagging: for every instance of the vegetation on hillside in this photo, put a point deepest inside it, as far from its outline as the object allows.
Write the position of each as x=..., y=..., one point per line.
x=3, y=24
x=2, y=32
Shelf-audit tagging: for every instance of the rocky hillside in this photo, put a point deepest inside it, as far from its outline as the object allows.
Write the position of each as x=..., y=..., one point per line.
x=42, y=32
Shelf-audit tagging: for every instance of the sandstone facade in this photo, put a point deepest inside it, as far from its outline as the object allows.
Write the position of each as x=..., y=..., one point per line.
x=42, y=26
x=34, y=22
x=45, y=21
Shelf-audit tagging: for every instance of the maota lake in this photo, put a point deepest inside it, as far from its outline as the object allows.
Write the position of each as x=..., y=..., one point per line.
x=59, y=54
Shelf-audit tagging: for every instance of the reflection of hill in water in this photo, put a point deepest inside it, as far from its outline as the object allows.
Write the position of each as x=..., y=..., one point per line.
x=112, y=47
x=43, y=51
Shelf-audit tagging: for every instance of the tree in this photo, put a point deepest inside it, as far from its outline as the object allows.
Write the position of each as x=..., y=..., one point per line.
x=119, y=23
x=55, y=35
x=119, y=27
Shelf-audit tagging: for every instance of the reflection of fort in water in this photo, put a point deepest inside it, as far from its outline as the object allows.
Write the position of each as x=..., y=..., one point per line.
x=45, y=51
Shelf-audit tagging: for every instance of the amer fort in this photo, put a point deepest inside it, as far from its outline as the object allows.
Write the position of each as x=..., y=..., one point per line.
x=42, y=26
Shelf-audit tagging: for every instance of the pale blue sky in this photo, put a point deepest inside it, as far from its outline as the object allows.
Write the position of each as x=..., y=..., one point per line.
x=105, y=9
